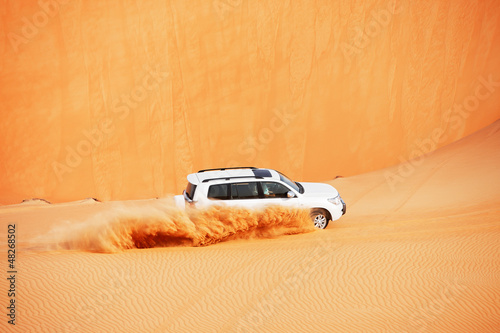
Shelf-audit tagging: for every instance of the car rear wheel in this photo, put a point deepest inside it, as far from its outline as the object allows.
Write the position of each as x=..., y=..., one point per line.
x=320, y=218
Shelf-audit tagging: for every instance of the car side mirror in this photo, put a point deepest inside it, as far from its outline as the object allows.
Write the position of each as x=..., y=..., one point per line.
x=290, y=194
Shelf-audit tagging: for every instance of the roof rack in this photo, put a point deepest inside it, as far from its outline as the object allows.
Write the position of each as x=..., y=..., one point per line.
x=221, y=169
x=228, y=178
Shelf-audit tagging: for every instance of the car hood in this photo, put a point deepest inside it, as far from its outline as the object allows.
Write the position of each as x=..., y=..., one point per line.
x=319, y=190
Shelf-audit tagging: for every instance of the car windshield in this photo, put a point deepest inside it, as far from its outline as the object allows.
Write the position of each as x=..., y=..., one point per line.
x=296, y=186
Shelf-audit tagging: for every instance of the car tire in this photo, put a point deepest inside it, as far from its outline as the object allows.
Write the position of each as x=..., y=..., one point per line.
x=320, y=218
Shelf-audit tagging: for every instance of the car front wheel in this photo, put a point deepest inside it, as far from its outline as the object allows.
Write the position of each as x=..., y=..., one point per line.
x=320, y=218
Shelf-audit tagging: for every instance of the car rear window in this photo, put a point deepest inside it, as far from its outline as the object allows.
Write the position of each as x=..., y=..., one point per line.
x=219, y=192
x=190, y=188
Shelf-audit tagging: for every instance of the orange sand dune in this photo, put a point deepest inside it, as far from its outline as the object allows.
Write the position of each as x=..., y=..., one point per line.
x=419, y=253
x=120, y=101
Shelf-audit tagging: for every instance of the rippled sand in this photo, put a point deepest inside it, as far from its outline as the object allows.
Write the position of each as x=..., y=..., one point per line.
x=418, y=255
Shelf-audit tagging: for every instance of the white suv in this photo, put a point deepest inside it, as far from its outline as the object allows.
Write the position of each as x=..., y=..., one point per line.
x=254, y=187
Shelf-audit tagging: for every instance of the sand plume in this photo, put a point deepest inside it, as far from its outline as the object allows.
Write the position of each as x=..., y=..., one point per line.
x=161, y=224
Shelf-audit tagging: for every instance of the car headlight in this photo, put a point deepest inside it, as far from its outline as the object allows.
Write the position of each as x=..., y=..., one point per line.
x=335, y=201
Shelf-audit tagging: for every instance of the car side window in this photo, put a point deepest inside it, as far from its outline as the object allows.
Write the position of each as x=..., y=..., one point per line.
x=274, y=190
x=218, y=192
x=244, y=191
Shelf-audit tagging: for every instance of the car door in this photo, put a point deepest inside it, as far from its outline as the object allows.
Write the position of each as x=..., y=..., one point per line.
x=275, y=193
x=244, y=194
x=241, y=194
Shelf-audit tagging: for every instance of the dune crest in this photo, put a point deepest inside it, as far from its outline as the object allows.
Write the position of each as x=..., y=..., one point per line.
x=161, y=224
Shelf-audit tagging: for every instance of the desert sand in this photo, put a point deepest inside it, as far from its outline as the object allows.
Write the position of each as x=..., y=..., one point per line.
x=394, y=103
x=120, y=101
x=418, y=255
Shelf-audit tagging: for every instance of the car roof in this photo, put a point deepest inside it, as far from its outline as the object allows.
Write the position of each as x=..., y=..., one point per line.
x=237, y=174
